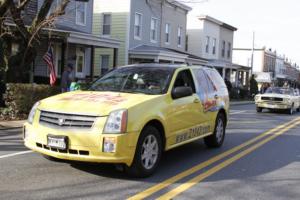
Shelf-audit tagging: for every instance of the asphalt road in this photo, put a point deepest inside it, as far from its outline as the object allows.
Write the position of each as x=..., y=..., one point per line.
x=253, y=163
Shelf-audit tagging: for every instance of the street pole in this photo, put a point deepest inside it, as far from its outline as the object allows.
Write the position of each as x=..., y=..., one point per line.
x=252, y=53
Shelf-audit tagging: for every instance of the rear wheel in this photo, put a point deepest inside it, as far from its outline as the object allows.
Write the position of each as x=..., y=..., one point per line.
x=217, y=138
x=148, y=153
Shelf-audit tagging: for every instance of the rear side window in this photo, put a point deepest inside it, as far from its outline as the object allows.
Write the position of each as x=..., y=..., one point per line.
x=185, y=79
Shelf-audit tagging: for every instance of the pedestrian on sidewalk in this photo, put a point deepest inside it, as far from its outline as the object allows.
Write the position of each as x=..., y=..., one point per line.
x=66, y=78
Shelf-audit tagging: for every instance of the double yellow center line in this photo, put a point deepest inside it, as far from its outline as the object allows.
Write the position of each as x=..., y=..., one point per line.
x=270, y=135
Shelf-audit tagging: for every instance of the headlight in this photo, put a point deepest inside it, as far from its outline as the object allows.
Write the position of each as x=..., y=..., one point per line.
x=257, y=98
x=116, y=122
x=32, y=112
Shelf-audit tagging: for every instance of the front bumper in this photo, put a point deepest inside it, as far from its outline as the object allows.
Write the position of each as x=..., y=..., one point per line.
x=82, y=146
x=279, y=106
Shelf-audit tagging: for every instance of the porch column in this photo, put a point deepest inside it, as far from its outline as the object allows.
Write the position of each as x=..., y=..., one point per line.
x=63, y=57
x=224, y=72
x=237, y=75
x=247, y=79
x=242, y=77
x=92, y=63
x=115, y=63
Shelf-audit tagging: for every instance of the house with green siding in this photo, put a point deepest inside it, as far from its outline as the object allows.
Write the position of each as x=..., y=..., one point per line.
x=149, y=30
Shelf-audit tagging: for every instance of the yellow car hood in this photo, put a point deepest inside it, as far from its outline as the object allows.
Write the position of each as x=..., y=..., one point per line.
x=93, y=103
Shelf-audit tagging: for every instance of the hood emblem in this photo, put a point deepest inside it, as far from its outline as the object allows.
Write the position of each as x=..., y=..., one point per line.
x=61, y=122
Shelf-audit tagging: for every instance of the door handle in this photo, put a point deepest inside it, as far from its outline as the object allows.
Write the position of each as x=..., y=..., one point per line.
x=196, y=100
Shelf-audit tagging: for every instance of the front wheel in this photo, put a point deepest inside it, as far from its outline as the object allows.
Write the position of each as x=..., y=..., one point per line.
x=148, y=153
x=291, y=110
x=217, y=138
x=258, y=109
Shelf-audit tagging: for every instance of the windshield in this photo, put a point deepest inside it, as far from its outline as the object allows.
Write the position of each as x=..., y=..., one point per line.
x=277, y=90
x=135, y=80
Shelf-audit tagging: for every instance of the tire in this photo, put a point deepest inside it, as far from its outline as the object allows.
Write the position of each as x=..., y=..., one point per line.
x=140, y=167
x=217, y=138
x=259, y=109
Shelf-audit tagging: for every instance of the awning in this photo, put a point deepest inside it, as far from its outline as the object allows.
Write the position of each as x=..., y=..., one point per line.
x=88, y=39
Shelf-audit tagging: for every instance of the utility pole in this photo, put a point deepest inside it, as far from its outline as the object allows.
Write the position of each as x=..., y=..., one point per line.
x=252, y=53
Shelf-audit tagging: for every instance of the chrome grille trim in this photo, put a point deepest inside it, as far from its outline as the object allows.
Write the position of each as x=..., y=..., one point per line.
x=64, y=120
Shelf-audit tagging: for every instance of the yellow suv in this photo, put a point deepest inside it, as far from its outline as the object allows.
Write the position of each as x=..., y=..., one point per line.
x=131, y=115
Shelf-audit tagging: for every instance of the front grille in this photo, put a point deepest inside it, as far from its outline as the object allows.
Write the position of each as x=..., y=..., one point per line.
x=62, y=120
x=271, y=99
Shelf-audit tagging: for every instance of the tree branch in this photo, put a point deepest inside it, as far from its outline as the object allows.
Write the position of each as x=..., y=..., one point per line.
x=23, y=4
x=4, y=7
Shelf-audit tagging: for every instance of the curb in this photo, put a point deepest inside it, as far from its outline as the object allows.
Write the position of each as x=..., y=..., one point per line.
x=8, y=125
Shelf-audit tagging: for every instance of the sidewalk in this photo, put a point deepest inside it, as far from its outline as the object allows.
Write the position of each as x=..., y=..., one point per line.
x=11, y=124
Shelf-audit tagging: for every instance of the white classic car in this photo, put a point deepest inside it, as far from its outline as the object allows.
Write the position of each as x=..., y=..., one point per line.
x=276, y=98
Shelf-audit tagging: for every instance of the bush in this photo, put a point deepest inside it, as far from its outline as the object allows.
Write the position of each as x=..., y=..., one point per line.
x=19, y=98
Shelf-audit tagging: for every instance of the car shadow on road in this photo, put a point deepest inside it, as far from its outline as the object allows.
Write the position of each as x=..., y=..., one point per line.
x=187, y=156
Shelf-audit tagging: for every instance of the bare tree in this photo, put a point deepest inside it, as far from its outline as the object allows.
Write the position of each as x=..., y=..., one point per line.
x=27, y=36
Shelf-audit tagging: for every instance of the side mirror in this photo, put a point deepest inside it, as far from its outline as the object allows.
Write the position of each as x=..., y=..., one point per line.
x=180, y=92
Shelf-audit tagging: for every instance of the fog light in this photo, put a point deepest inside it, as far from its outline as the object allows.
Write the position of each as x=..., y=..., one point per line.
x=109, y=144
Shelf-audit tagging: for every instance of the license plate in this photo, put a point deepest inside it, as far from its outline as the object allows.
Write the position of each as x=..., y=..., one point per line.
x=59, y=142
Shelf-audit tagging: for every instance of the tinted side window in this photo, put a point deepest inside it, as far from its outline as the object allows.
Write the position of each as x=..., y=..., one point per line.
x=184, y=78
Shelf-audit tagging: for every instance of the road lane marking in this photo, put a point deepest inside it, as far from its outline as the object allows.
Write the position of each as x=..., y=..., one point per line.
x=190, y=183
x=237, y=112
x=15, y=154
x=202, y=165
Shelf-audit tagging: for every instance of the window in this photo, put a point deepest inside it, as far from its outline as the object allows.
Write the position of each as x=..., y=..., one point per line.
x=185, y=79
x=229, y=50
x=214, y=46
x=104, y=64
x=207, y=44
x=153, y=32
x=80, y=13
x=168, y=29
x=106, y=24
x=223, y=48
x=138, y=26
x=179, y=36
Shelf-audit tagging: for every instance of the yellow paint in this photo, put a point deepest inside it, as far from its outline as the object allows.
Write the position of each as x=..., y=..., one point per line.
x=190, y=183
x=200, y=166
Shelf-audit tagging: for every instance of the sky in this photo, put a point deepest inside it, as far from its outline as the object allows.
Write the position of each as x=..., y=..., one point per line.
x=276, y=23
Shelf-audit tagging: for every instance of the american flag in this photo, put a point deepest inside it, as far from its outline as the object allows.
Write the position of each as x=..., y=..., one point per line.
x=48, y=58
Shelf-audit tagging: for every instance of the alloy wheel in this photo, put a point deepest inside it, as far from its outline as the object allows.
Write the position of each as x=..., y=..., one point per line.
x=149, y=152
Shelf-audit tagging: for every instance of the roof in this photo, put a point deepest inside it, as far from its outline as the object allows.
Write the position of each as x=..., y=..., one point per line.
x=179, y=4
x=161, y=50
x=156, y=65
x=218, y=22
